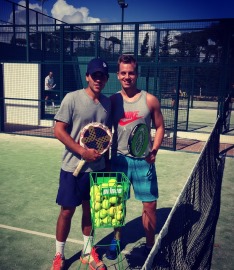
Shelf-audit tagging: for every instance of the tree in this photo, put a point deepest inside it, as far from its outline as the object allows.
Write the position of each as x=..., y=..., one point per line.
x=145, y=45
x=165, y=45
x=114, y=41
x=153, y=52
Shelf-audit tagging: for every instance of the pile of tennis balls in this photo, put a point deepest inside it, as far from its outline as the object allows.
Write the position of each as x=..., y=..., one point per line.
x=107, y=204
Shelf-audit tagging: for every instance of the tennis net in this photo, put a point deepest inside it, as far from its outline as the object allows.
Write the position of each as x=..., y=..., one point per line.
x=187, y=238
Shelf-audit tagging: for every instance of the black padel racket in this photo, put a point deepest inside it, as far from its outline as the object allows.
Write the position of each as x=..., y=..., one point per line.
x=138, y=140
x=94, y=136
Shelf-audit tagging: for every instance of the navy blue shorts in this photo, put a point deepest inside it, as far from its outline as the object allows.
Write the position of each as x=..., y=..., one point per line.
x=73, y=190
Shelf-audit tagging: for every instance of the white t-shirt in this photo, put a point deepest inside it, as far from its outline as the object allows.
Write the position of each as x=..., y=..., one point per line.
x=49, y=81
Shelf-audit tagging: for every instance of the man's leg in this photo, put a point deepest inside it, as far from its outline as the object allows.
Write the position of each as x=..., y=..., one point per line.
x=62, y=232
x=89, y=254
x=64, y=223
x=149, y=222
x=46, y=101
x=86, y=226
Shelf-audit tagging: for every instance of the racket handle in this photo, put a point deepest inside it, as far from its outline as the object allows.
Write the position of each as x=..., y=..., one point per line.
x=79, y=167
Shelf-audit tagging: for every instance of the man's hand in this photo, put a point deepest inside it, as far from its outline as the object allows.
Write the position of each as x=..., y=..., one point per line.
x=90, y=155
x=151, y=157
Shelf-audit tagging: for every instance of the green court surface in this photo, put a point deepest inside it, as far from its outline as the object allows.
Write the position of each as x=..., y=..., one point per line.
x=29, y=179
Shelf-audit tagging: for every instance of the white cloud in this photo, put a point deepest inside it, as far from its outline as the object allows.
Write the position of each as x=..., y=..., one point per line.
x=36, y=6
x=20, y=13
x=68, y=13
x=61, y=10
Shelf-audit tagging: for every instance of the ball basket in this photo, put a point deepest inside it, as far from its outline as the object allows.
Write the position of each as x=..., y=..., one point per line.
x=108, y=194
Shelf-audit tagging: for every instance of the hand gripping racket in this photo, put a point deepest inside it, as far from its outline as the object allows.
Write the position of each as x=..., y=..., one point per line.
x=138, y=140
x=94, y=136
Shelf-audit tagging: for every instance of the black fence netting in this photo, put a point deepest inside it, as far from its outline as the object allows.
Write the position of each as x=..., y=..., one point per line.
x=187, y=238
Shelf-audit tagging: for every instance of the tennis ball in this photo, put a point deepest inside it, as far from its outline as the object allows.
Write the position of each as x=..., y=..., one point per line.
x=115, y=222
x=119, y=207
x=96, y=206
x=113, y=200
x=111, y=211
x=119, y=215
x=98, y=197
x=105, y=204
x=97, y=222
x=103, y=213
x=106, y=220
x=112, y=182
x=94, y=189
x=97, y=214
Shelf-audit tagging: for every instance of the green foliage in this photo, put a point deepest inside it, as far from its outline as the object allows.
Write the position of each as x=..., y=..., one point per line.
x=153, y=52
x=145, y=45
x=114, y=40
x=165, y=45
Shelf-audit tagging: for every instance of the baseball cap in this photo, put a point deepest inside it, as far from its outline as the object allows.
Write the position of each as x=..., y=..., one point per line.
x=97, y=64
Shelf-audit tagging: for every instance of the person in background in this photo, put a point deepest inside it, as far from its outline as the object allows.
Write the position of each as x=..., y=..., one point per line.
x=132, y=106
x=173, y=98
x=49, y=83
x=77, y=109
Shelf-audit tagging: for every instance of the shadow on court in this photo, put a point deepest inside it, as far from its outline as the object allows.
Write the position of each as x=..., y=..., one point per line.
x=135, y=258
x=132, y=233
x=70, y=261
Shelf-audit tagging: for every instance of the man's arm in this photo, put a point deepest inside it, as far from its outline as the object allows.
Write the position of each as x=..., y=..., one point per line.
x=157, y=119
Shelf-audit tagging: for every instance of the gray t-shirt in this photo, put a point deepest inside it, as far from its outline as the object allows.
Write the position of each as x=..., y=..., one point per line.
x=78, y=109
x=125, y=116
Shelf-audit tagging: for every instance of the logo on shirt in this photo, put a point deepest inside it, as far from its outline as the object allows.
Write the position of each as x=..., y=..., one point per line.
x=129, y=117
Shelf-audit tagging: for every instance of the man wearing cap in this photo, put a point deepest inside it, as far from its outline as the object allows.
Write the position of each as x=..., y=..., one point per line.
x=78, y=109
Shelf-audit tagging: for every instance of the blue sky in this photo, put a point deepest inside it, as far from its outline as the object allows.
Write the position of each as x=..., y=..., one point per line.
x=94, y=11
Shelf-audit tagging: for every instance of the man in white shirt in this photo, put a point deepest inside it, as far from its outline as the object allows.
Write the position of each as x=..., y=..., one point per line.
x=49, y=82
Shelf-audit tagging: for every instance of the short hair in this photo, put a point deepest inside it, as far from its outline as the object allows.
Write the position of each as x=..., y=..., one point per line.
x=127, y=59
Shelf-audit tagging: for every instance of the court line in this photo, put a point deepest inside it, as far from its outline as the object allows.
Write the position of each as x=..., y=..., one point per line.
x=38, y=233
x=45, y=235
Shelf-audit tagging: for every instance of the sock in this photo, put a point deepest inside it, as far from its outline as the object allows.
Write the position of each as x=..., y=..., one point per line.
x=88, y=243
x=117, y=233
x=60, y=247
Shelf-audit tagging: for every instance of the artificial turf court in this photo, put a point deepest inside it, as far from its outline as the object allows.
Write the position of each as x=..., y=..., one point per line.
x=29, y=179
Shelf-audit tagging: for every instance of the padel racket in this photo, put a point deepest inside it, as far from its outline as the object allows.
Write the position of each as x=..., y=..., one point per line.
x=138, y=140
x=94, y=136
